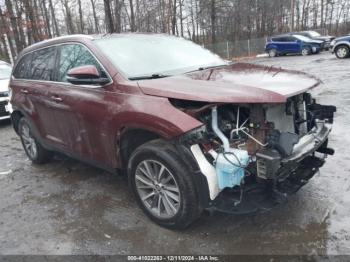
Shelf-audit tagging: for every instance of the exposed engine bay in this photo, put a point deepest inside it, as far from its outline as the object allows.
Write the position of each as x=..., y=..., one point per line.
x=262, y=146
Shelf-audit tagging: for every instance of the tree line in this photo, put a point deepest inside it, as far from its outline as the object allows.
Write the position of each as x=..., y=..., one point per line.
x=24, y=22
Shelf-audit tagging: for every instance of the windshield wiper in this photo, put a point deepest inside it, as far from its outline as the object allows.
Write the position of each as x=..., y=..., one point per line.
x=209, y=67
x=153, y=76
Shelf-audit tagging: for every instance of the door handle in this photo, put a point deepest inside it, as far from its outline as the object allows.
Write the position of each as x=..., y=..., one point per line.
x=24, y=91
x=56, y=98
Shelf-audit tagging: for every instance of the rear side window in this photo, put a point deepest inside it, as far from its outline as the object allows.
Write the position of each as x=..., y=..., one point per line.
x=277, y=39
x=74, y=55
x=290, y=39
x=22, y=70
x=38, y=65
x=43, y=64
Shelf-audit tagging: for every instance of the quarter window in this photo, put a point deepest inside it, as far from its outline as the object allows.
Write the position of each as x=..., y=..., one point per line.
x=38, y=65
x=23, y=67
x=277, y=39
x=74, y=56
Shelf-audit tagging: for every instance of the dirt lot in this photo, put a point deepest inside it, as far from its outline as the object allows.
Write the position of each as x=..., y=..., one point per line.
x=67, y=207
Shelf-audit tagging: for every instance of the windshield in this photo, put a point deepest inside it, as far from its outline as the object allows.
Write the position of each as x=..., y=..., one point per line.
x=5, y=71
x=314, y=34
x=302, y=38
x=147, y=55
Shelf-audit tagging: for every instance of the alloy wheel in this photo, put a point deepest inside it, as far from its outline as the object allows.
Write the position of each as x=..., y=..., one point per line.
x=272, y=53
x=157, y=189
x=342, y=52
x=305, y=51
x=28, y=142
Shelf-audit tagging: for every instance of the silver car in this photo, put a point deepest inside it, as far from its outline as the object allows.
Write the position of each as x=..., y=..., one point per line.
x=5, y=73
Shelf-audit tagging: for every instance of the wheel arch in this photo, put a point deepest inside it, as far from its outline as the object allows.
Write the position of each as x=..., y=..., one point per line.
x=16, y=115
x=130, y=139
x=339, y=45
x=306, y=46
x=342, y=43
x=132, y=131
x=271, y=46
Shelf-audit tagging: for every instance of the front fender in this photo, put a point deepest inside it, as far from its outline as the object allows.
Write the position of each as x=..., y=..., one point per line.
x=155, y=114
x=347, y=43
x=149, y=113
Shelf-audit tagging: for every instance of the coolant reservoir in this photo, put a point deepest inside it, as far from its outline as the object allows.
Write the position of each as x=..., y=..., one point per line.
x=228, y=168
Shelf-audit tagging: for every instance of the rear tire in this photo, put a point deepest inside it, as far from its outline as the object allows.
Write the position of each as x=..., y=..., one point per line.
x=163, y=185
x=342, y=51
x=34, y=150
x=272, y=52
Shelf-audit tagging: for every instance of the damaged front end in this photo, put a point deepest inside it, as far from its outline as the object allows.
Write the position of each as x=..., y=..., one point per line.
x=254, y=155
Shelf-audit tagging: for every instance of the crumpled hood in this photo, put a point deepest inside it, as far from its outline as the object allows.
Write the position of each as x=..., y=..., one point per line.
x=237, y=83
x=325, y=38
x=4, y=85
x=314, y=41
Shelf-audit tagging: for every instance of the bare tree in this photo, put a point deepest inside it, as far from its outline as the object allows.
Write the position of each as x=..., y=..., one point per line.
x=47, y=19
x=25, y=22
x=93, y=5
x=13, y=21
x=108, y=14
x=81, y=17
x=52, y=10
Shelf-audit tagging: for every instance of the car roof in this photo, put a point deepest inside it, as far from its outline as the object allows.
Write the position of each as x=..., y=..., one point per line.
x=81, y=38
x=284, y=35
x=56, y=40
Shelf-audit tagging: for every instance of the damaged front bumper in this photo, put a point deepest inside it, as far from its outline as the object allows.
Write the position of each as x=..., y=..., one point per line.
x=263, y=197
x=311, y=142
x=256, y=194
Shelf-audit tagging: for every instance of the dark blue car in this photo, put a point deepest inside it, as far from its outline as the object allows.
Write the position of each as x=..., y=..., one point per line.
x=292, y=44
x=341, y=47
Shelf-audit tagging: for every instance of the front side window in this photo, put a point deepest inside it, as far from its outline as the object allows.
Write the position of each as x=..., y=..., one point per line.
x=43, y=64
x=74, y=55
x=302, y=38
x=145, y=55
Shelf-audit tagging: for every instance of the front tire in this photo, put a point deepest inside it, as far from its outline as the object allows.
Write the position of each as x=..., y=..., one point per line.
x=342, y=51
x=163, y=185
x=306, y=51
x=34, y=150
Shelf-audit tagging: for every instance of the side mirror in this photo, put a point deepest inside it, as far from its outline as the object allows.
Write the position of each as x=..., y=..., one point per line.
x=86, y=75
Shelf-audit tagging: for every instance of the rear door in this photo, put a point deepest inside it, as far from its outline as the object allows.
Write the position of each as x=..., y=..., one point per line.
x=294, y=45
x=32, y=79
x=277, y=41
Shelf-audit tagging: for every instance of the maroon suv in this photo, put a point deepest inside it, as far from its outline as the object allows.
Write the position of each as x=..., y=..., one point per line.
x=192, y=131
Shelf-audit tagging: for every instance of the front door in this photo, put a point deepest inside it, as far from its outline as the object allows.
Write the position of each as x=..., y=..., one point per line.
x=80, y=110
x=290, y=45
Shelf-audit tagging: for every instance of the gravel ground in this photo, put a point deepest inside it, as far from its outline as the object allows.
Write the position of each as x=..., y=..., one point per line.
x=66, y=207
